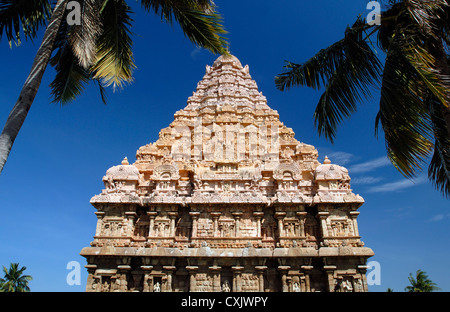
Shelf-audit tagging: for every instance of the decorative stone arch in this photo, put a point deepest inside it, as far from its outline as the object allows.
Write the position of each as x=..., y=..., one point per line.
x=166, y=172
x=289, y=170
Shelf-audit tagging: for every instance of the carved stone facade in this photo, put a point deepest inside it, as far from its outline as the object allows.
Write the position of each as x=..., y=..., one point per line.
x=227, y=200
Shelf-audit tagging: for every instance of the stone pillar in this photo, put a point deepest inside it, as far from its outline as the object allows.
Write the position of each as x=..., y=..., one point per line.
x=151, y=229
x=258, y=216
x=323, y=215
x=362, y=270
x=148, y=284
x=192, y=281
x=169, y=273
x=354, y=215
x=280, y=216
x=131, y=215
x=237, y=270
x=329, y=269
x=90, y=280
x=100, y=215
x=215, y=215
x=283, y=271
x=301, y=216
x=307, y=270
x=194, y=215
x=261, y=269
x=215, y=271
x=237, y=216
x=172, y=216
x=123, y=274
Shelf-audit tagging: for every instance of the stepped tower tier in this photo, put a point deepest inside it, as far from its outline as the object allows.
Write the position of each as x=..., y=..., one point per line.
x=227, y=199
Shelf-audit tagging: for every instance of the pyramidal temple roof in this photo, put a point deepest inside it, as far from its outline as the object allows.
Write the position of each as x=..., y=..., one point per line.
x=227, y=82
x=227, y=199
x=228, y=144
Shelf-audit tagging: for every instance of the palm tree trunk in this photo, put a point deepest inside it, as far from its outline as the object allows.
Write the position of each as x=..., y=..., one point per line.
x=29, y=90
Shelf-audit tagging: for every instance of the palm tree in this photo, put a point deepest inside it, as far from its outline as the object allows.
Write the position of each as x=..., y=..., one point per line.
x=414, y=83
x=421, y=283
x=99, y=49
x=14, y=280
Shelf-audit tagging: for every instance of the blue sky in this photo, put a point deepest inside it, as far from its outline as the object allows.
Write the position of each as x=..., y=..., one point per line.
x=62, y=153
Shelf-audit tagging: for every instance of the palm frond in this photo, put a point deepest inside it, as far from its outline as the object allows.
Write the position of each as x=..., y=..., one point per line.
x=404, y=117
x=71, y=78
x=439, y=168
x=83, y=37
x=23, y=16
x=315, y=72
x=198, y=20
x=423, y=13
x=347, y=69
x=115, y=63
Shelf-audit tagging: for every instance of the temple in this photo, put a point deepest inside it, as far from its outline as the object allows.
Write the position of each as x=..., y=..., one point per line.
x=227, y=200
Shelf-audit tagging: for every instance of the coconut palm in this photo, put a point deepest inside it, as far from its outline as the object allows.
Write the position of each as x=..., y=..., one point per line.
x=97, y=49
x=420, y=283
x=14, y=279
x=413, y=79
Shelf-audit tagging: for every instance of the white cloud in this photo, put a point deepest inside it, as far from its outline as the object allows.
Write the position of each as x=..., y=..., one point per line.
x=340, y=158
x=397, y=185
x=370, y=165
x=366, y=180
x=195, y=52
x=439, y=217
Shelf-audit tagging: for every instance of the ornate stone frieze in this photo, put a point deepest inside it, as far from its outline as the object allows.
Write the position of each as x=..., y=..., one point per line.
x=226, y=199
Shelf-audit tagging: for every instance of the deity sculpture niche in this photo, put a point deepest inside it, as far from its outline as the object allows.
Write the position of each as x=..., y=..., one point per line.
x=312, y=228
x=141, y=227
x=161, y=228
x=183, y=226
x=268, y=227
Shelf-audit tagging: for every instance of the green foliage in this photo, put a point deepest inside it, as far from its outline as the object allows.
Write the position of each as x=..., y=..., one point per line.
x=101, y=48
x=420, y=283
x=14, y=280
x=23, y=17
x=414, y=84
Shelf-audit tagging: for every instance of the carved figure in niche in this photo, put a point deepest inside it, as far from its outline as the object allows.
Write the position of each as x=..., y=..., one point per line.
x=157, y=287
x=344, y=184
x=339, y=228
x=95, y=283
x=226, y=229
x=160, y=229
x=197, y=183
x=109, y=183
x=268, y=226
x=105, y=286
x=226, y=187
x=112, y=229
x=286, y=153
x=255, y=182
x=296, y=287
x=141, y=227
x=358, y=285
x=183, y=226
x=226, y=287
x=347, y=286
x=311, y=227
x=290, y=229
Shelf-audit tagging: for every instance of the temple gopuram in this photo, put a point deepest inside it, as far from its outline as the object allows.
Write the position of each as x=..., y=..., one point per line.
x=227, y=200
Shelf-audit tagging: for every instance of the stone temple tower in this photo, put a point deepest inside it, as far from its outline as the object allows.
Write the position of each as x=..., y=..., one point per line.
x=227, y=200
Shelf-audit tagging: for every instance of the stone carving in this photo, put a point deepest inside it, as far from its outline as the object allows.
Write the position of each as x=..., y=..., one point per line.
x=226, y=287
x=226, y=198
